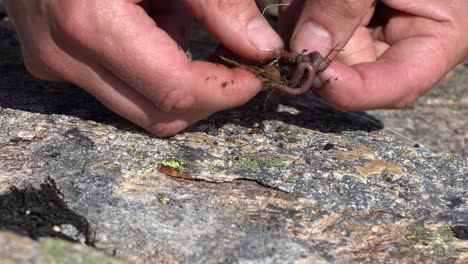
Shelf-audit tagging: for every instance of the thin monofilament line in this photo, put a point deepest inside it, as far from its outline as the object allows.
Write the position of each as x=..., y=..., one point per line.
x=354, y=52
x=365, y=118
x=275, y=5
x=368, y=119
x=361, y=117
x=376, y=123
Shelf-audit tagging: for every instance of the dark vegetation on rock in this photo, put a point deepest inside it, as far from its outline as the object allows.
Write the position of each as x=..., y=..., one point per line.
x=40, y=213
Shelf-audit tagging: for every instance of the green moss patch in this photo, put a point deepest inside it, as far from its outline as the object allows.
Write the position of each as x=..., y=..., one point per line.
x=439, y=240
x=178, y=165
x=255, y=164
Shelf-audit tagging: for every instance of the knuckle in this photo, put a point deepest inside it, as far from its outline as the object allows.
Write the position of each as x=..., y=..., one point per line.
x=234, y=10
x=238, y=9
x=356, y=6
x=34, y=69
x=225, y=3
x=228, y=5
x=72, y=25
x=175, y=101
x=41, y=64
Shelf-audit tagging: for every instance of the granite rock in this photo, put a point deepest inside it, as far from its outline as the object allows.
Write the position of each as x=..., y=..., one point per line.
x=440, y=118
x=18, y=249
x=279, y=180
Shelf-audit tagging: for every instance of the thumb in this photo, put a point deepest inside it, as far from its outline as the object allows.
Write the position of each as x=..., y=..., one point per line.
x=239, y=25
x=323, y=24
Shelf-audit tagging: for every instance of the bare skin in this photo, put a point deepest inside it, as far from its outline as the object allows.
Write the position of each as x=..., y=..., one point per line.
x=393, y=50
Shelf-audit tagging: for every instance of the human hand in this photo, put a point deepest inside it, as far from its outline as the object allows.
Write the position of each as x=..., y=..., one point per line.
x=389, y=64
x=127, y=53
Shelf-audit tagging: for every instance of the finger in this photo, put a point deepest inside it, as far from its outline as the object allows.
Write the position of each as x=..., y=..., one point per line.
x=360, y=48
x=121, y=98
x=35, y=51
x=323, y=23
x=395, y=80
x=421, y=51
x=239, y=25
x=174, y=18
x=149, y=61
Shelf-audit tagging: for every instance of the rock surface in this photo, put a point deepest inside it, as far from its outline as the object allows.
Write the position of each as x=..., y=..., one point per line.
x=17, y=249
x=276, y=181
x=440, y=118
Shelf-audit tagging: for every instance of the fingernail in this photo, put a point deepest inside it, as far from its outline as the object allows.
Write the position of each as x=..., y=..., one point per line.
x=316, y=84
x=262, y=36
x=312, y=37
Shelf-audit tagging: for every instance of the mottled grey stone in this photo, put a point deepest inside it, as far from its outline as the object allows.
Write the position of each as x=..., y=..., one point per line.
x=19, y=250
x=281, y=180
x=440, y=118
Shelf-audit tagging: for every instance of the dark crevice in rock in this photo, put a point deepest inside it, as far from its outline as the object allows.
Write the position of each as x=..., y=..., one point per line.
x=461, y=232
x=40, y=213
x=268, y=188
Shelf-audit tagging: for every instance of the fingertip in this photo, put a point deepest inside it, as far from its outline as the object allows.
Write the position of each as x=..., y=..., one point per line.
x=248, y=85
x=248, y=78
x=240, y=26
x=366, y=86
x=342, y=87
x=262, y=36
x=313, y=37
x=218, y=87
x=323, y=24
x=169, y=128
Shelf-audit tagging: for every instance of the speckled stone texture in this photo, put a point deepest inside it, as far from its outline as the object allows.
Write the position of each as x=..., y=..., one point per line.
x=16, y=249
x=279, y=180
x=439, y=119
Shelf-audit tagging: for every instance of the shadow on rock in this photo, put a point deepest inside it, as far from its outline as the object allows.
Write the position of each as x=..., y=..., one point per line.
x=21, y=91
x=42, y=213
x=307, y=111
